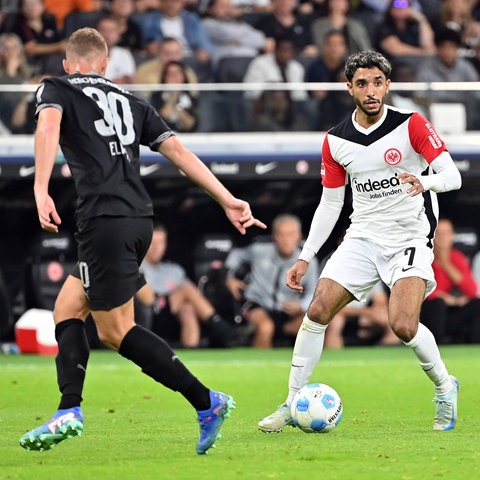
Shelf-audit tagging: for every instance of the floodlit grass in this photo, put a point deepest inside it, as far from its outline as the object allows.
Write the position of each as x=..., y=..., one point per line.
x=137, y=429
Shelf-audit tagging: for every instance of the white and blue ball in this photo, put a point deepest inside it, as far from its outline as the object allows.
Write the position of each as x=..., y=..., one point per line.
x=316, y=408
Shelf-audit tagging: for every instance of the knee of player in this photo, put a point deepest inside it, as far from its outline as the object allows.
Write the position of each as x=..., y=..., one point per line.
x=318, y=312
x=404, y=327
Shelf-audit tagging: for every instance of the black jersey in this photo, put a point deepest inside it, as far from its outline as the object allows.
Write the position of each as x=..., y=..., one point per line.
x=101, y=131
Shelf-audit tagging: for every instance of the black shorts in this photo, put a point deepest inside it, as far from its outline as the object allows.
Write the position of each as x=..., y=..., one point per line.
x=110, y=251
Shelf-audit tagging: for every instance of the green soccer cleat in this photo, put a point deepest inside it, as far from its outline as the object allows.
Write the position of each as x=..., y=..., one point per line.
x=63, y=425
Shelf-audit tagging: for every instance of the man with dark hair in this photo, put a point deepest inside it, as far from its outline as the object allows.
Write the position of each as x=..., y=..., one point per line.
x=396, y=163
x=100, y=128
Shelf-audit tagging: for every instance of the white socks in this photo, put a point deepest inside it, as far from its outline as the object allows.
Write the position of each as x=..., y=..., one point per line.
x=426, y=350
x=306, y=354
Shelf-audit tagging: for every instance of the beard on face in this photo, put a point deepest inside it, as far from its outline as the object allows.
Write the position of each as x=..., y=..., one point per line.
x=369, y=113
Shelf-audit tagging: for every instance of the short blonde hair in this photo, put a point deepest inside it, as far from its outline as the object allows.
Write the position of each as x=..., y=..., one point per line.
x=87, y=43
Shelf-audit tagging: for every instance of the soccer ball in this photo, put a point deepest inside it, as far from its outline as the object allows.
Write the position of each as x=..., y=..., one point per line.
x=316, y=408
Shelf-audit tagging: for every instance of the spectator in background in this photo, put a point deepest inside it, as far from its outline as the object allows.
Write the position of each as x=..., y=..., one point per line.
x=456, y=15
x=61, y=8
x=372, y=13
x=44, y=46
x=338, y=18
x=14, y=70
x=231, y=37
x=143, y=6
x=448, y=66
x=404, y=72
x=178, y=108
x=171, y=297
x=372, y=322
x=150, y=72
x=284, y=22
x=452, y=310
x=121, y=64
x=405, y=31
x=131, y=36
x=279, y=66
x=275, y=311
x=173, y=20
x=330, y=106
x=274, y=111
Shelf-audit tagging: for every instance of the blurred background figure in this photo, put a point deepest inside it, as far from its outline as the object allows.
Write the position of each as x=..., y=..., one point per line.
x=285, y=22
x=38, y=31
x=151, y=72
x=369, y=322
x=274, y=111
x=14, y=69
x=279, y=66
x=173, y=305
x=405, y=32
x=60, y=9
x=131, y=36
x=452, y=310
x=448, y=66
x=230, y=36
x=173, y=20
x=404, y=72
x=329, y=107
x=178, y=108
x=121, y=64
x=275, y=311
x=338, y=18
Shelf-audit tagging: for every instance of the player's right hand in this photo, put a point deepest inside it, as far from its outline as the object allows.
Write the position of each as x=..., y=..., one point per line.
x=47, y=214
x=295, y=275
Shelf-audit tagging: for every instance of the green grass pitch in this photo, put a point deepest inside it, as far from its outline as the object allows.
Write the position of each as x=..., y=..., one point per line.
x=136, y=429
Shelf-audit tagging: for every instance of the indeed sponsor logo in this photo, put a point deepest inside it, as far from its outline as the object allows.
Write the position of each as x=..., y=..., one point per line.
x=375, y=185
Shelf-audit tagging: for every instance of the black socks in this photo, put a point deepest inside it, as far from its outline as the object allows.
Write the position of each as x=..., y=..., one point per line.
x=71, y=361
x=157, y=360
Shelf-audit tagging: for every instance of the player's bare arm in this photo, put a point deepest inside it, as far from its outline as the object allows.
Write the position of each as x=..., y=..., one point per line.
x=47, y=138
x=237, y=211
x=295, y=275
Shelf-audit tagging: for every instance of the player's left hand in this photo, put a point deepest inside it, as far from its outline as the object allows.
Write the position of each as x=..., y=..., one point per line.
x=416, y=187
x=239, y=213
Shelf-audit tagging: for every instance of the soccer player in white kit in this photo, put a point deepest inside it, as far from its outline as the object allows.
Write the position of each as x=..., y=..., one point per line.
x=396, y=163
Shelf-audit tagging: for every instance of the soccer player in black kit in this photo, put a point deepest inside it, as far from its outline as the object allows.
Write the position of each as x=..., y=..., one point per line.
x=99, y=127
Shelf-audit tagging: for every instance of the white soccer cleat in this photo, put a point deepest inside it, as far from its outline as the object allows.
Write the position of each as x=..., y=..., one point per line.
x=277, y=420
x=446, y=414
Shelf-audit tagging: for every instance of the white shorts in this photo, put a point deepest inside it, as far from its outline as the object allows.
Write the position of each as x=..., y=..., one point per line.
x=358, y=264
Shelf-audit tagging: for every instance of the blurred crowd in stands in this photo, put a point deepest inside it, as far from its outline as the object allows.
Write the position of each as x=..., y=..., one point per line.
x=157, y=42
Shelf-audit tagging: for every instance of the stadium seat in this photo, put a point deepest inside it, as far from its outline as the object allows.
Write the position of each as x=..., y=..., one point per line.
x=76, y=20
x=232, y=69
x=47, y=268
x=203, y=70
x=449, y=117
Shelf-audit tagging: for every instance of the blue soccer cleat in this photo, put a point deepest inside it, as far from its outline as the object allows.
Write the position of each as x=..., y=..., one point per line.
x=212, y=419
x=63, y=425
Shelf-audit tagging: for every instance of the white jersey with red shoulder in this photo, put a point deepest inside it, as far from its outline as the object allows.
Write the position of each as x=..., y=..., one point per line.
x=371, y=159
